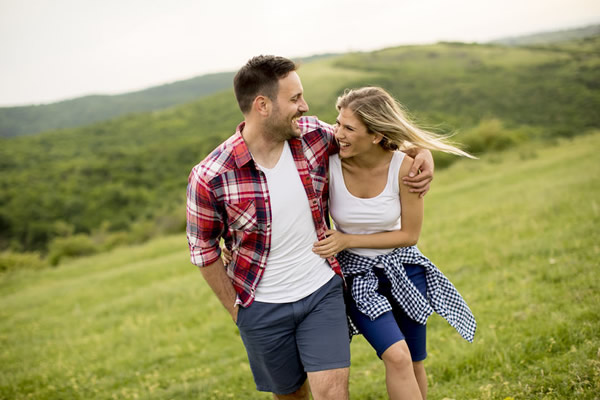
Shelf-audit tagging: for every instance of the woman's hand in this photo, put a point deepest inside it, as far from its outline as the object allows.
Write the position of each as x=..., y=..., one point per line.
x=225, y=255
x=333, y=244
x=421, y=172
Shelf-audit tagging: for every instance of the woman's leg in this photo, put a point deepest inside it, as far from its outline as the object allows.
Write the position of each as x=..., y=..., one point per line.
x=421, y=376
x=415, y=333
x=400, y=377
x=388, y=341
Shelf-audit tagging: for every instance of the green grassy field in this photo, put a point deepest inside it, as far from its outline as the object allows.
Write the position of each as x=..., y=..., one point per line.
x=516, y=232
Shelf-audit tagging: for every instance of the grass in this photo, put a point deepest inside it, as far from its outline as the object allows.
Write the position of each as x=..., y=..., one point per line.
x=516, y=232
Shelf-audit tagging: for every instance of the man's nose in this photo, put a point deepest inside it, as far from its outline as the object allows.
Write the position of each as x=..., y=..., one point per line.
x=303, y=106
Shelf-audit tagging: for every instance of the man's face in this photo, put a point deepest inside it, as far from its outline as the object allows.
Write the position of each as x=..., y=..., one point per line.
x=287, y=108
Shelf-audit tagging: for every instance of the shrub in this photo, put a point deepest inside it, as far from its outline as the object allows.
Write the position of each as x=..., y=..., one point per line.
x=491, y=135
x=70, y=246
x=10, y=261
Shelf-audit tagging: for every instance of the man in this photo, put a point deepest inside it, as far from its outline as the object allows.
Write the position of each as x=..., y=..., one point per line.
x=264, y=192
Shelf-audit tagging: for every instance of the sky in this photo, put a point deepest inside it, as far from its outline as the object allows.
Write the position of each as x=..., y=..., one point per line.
x=53, y=50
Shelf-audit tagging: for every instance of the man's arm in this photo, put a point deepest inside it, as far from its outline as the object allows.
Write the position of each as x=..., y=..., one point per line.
x=204, y=229
x=421, y=172
x=219, y=282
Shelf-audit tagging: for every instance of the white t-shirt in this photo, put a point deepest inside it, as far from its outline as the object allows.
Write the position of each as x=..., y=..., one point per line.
x=293, y=271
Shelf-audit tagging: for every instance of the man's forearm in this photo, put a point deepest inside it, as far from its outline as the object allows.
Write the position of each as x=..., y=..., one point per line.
x=219, y=282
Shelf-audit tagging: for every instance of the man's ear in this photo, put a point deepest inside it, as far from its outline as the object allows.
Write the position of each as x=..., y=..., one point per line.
x=262, y=105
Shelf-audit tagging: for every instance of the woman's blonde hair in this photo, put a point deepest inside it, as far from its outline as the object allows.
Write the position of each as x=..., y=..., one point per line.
x=382, y=114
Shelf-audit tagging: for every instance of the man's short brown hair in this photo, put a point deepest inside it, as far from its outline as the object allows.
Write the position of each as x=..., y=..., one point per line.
x=260, y=76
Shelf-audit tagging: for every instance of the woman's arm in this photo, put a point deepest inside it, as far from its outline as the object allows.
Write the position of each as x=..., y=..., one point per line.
x=408, y=235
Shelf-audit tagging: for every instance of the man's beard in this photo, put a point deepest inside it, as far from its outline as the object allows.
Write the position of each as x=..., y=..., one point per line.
x=281, y=128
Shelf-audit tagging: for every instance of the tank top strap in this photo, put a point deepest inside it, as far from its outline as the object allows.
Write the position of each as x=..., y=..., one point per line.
x=335, y=169
x=394, y=171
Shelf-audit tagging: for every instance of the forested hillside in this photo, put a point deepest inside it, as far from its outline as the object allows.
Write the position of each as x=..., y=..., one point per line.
x=17, y=121
x=128, y=176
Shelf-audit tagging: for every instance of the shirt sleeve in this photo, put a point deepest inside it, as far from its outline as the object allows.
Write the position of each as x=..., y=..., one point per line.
x=204, y=222
x=327, y=131
x=313, y=126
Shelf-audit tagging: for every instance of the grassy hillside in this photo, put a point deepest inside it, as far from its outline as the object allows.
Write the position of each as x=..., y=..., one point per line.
x=110, y=176
x=546, y=91
x=17, y=121
x=516, y=232
x=551, y=37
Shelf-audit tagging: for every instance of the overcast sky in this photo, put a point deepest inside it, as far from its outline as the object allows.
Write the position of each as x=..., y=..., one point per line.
x=57, y=49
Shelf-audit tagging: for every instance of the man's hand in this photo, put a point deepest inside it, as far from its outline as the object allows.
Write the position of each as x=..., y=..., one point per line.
x=421, y=172
x=220, y=283
x=234, y=313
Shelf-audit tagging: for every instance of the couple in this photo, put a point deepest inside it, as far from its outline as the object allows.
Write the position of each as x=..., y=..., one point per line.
x=266, y=192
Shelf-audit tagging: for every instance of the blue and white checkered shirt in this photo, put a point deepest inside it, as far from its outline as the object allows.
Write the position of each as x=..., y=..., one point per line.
x=442, y=296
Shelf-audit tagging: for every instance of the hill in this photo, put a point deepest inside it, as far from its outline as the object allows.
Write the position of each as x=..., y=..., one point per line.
x=107, y=177
x=516, y=232
x=551, y=37
x=17, y=121
x=31, y=119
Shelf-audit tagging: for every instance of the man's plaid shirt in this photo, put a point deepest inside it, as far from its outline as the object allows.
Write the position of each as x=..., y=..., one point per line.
x=227, y=197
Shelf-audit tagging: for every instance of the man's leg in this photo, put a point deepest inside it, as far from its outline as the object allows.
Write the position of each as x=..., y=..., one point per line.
x=323, y=341
x=268, y=332
x=301, y=394
x=330, y=384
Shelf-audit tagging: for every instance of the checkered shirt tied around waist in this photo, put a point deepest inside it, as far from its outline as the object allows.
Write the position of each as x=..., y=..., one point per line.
x=442, y=296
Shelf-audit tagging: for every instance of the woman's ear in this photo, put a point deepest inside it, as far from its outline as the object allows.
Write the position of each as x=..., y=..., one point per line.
x=377, y=138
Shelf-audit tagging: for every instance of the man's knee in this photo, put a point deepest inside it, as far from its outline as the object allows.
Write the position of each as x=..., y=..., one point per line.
x=301, y=394
x=329, y=384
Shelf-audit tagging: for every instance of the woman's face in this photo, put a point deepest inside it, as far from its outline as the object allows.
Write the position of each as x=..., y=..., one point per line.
x=352, y=135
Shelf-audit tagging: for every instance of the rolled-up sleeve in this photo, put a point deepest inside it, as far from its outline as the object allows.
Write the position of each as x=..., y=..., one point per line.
x=204, y=222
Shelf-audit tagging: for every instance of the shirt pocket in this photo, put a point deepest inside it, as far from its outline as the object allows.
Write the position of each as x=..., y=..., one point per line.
x=242, y=216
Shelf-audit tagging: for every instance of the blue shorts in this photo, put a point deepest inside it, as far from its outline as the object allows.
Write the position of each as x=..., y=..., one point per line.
x=393, y=326
x=284, y=341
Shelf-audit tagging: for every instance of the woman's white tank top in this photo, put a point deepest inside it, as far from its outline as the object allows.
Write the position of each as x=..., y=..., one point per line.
x=354, y=215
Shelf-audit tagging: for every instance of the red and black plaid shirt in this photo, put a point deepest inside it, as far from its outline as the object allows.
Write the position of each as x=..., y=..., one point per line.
x=227, y=197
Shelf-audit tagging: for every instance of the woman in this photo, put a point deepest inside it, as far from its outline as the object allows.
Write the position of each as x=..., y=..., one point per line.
x=393, y=287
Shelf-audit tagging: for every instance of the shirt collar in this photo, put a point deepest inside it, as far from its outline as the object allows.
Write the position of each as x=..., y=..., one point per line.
x=240, y=151
x=242, y=155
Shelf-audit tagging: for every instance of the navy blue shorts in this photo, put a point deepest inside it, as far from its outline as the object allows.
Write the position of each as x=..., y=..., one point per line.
x=284, y=341
x=393, y=326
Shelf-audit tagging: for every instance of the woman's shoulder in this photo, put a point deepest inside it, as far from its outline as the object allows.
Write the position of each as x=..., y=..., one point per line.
x=405, y=162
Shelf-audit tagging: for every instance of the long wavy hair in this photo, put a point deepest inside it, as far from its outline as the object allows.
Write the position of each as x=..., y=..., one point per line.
x=383, y=114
